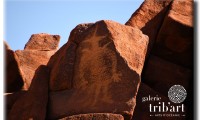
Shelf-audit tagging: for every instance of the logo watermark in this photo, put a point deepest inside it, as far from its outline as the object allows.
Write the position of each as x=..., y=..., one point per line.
x=171, y=108
x=177, y=94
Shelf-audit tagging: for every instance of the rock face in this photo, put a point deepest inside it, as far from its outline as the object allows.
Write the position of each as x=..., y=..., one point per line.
x=28, y=62
x=13, y=79
x=37, y=52
x=169, y=26
x=175, y=39
x=160, y=73
x=10, y=99
x=171, y=59
x=33, y=104
x=43, y=41
x=95, y=116
x=61, y=65
x=142, y=108
x=62, y=62
x=105, y=67
x=148, y=16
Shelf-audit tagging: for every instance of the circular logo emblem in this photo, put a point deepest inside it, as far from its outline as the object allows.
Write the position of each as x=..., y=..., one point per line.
x=177, y=94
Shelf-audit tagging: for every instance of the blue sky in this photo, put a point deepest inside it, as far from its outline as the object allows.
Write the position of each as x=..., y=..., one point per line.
x=26, y=17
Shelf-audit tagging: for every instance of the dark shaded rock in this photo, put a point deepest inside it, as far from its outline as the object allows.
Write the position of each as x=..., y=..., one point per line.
x=10, y=99
x=33, y=104
x=13, y=79
x=159, y=73
x=175, y=39
x=62, y=62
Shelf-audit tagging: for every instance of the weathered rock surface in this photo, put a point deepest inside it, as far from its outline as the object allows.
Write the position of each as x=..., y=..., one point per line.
x=175, y=39
x=61, y=65
x=28, y=62
x=43, y=41
x=62, y=62
x=95, y=116
x=33, y=104
x=13, y=80
x=149, y=18
x=159, y=73
x=104, y=68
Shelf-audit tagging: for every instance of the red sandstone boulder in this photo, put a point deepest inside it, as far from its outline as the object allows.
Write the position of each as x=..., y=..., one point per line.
x=95, y=116
x=43, y=41
x=149, y=18
x=33, y=104
x=175, y=39
x=106, y=71
x=28, y=62
x=13, y=80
